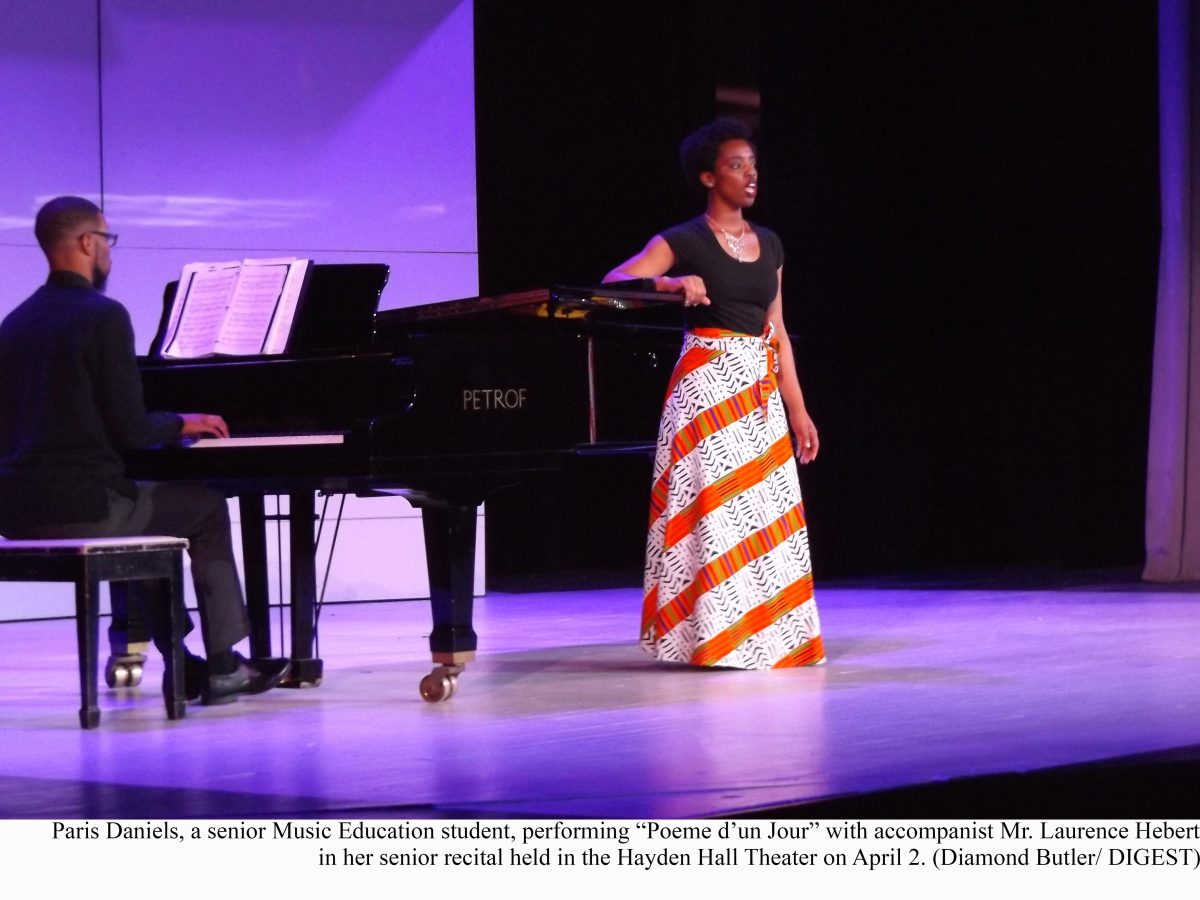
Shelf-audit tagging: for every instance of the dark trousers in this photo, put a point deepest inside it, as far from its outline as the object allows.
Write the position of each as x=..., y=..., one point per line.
x=175, y=510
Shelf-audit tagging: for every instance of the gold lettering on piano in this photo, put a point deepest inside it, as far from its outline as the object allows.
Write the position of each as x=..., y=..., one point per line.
x=486, y=399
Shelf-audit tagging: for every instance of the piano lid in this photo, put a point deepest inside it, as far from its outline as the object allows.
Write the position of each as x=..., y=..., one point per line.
x=560, y=301
x=638, y=293
x=339, y=312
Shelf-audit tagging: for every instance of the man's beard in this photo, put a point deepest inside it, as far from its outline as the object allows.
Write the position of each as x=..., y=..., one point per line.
x=99, y=279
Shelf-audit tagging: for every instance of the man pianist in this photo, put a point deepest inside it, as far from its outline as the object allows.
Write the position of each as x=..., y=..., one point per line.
x=70, y=402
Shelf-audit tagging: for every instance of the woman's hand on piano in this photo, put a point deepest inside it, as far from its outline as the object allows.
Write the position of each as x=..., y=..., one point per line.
x=203, y=425
x=691, y=286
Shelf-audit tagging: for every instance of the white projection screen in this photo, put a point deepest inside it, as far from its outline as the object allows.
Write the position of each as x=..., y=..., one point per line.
x=222, y=129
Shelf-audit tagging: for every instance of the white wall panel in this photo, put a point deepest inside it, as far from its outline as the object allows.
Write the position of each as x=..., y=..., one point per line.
x=261, y=127
x=50, y=110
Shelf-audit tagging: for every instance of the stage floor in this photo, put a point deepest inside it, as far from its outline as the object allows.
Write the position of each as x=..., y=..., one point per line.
x=563, y=716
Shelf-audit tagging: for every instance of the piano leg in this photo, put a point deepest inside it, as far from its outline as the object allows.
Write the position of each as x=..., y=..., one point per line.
x=450, y=556
x=254, y=562
x=305, y=668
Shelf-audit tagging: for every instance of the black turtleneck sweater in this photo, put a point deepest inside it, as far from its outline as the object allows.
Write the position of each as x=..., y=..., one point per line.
x=70, y=402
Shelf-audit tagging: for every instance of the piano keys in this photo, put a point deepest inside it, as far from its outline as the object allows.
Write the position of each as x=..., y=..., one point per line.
x=264, y=440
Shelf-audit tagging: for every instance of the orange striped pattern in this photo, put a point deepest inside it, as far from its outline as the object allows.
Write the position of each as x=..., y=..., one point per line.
x=694, y=359
x=721, y=645
x=649, y=611
x=725, y=565
x=707, y=423
x=720, y=543
x=724, y=489
x=768, y=337
x=714, y=419
x=805, y=655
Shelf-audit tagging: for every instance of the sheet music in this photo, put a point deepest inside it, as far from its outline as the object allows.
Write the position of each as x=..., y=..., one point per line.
x=252, y=306
x=206, y=288
x=238, y=308
x=285, y=309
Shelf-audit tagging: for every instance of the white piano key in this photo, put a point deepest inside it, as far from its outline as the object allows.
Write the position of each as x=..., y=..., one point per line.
x=267, y=440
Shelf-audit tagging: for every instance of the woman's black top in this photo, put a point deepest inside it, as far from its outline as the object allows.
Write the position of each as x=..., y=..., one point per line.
x=740, y=292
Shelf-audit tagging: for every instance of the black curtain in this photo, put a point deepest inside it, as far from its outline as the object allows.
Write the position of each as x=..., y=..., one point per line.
x=968, y=197
x=969, y=193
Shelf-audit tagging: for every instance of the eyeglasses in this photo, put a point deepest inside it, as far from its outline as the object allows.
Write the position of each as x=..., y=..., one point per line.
x=111, y=238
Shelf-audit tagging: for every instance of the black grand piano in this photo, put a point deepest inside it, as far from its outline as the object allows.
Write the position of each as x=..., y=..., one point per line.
x=443, y=404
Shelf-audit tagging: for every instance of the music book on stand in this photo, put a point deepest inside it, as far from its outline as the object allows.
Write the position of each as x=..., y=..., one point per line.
x=236, y=308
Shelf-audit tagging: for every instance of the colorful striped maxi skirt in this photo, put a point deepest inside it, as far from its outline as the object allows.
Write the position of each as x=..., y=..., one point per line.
x=728, y=578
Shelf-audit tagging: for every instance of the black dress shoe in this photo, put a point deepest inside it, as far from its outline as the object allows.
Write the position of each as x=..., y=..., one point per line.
x=252, y=676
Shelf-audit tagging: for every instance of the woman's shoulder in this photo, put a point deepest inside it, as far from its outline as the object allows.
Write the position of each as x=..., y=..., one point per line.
x=767, y=236
x=770, y=243
x=685, y=232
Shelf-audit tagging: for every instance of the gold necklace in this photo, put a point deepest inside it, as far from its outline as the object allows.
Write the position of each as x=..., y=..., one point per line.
x=736, y=245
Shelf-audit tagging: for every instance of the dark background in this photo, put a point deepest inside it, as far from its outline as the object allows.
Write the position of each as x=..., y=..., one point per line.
x=968, y=197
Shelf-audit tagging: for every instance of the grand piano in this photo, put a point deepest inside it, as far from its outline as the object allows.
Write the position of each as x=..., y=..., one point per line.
x=444, y=404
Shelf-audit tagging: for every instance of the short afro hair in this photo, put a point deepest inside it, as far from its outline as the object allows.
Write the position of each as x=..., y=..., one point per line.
x=62, y=217
x=699, y=150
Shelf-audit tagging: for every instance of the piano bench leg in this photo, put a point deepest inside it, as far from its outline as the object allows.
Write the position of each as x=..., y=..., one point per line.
x=440, y=684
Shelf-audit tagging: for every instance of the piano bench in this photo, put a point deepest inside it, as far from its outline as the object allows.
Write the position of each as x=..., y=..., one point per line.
x=87, y=562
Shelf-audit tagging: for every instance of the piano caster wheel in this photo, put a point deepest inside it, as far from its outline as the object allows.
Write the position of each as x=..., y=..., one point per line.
x=440, y=684
x=124, y=671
